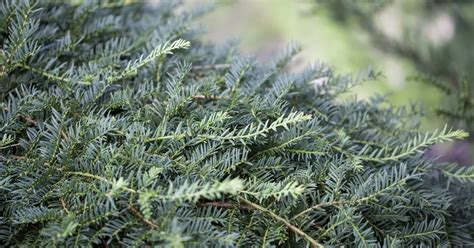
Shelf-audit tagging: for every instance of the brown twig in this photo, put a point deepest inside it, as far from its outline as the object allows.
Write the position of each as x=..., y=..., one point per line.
x=252, y=206
x=373, y=225
x=324, y=204
x=26, y=118
x=18, y=157
x=29, y=119
x=63, y=134
x=291, y=227
x=140, y=216
x=63, y=204
x=226, y=205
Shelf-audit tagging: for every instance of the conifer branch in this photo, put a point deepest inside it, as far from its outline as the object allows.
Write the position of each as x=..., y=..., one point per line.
x=293, y=228
x=162, y=49
x=142, y=218
x=320, y=205
x=164, y=141
x=204, y=97
x=208, y=67
x=225, y=205
x=88, y=175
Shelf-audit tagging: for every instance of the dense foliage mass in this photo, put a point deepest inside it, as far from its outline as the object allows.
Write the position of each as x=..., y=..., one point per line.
x=119, y=127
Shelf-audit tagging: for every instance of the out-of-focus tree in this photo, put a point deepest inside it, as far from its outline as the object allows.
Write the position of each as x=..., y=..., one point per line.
x=436, y=35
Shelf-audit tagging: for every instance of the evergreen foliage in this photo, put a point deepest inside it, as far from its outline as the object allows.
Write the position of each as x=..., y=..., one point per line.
x=120, y=128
